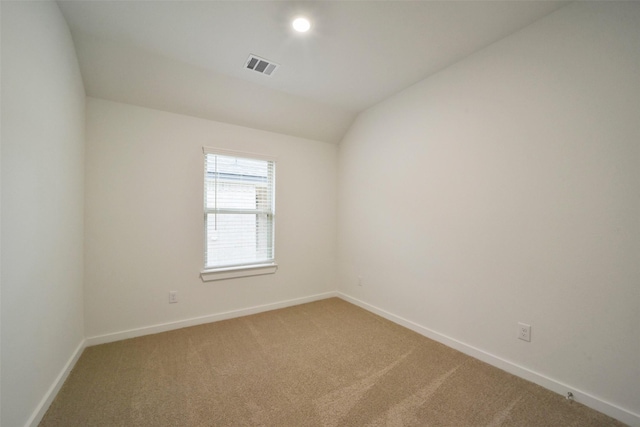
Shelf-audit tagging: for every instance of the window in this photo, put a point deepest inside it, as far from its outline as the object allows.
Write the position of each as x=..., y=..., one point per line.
x=239, y=214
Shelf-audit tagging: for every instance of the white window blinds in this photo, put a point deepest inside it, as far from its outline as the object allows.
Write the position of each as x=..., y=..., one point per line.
x=239, y=210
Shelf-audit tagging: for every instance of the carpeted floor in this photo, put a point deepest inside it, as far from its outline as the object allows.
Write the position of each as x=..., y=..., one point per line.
x=327, y=363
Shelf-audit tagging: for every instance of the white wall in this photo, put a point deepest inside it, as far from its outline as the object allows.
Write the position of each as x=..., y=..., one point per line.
x=42, y=205
x=506, y=188
x=144, y=220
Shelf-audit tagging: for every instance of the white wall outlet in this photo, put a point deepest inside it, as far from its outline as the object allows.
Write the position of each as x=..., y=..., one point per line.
x=524, y=332
x=359, y=280
x=173, y=297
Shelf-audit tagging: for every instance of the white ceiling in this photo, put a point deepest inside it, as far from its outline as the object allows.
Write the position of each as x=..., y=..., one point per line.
x=188, y=56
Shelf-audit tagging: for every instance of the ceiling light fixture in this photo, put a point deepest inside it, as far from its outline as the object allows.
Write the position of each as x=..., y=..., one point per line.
x=301, y=25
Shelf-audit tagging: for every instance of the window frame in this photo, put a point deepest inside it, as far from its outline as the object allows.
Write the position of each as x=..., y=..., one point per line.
x=255, y=269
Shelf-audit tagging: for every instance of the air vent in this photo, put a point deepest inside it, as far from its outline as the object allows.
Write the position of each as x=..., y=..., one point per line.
x=261, y=65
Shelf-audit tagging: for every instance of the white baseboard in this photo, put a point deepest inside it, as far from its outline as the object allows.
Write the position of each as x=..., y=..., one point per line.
x=42, y=408
x=164, y=327
x=559, y=387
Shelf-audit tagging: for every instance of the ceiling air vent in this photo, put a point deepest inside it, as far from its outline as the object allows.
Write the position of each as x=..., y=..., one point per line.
x=261, y=65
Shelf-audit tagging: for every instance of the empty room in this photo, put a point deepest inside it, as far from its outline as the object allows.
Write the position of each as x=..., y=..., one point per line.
x=320, y=213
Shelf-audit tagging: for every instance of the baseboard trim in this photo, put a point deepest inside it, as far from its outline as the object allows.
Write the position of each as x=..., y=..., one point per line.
x=42, y=408
x=169, y=326
x=559, y=387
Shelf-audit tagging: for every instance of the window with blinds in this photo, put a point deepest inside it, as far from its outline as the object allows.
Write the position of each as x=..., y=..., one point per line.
x=238, y=210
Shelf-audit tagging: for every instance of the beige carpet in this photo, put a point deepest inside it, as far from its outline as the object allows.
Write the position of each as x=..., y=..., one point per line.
x=327, y=363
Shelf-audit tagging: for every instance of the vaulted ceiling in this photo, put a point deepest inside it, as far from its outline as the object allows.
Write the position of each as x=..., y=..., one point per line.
x=189, y=57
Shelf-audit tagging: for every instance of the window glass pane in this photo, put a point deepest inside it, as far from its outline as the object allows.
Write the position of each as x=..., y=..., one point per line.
x=231, y=195
x=235, y=239
x=231, y=182
x=239, y=201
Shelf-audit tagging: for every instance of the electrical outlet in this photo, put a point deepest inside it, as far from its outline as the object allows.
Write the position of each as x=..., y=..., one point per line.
x=359, y=280
x=524, y=332
x=173, y=297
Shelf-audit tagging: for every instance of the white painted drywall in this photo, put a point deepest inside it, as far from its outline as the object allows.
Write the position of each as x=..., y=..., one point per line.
x=42, y=204
x=144, y=219
x=506, y=188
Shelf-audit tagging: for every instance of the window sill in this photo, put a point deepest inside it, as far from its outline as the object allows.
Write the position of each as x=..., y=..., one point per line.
x=233, y=272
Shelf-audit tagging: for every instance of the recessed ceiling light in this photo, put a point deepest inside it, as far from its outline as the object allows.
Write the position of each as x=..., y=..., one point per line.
x=301, y=25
